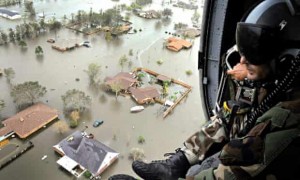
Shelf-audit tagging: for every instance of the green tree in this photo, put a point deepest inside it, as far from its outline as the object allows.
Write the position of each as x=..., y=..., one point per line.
x=72, y=17
x=143, y=2
x=87, y=174
x=165, y=87
x=35, y=28
x=9, y=73
x=28, y=30
x=2, y=104
x=107, y=17
x=39, y=50
x=18, y=36
x=27, y=93
x=130, y=52
x=54, y=25
x=188, y=72
x=76, y=100
x=79, y=16
x=11, y=35
x=195, y=16
x=167, y=12
x=108, y=36
x=61, y=126
x=4, y=37
x=42, y=24
x=122, y=61
x=116, y=88
x=127, y=17
x=135, y=6
x=23, y=44
x=93, y=72
x=141, y=139
x=29, y=7
x=75, y=116
x=140, y=76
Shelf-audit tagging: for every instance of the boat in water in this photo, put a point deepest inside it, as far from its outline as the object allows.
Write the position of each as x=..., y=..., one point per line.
x=137, y=108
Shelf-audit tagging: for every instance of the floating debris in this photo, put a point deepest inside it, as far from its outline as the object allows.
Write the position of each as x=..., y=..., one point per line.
x=44, y=157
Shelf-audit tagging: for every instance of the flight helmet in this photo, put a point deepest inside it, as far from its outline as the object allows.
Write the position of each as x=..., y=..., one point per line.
x=270, y=28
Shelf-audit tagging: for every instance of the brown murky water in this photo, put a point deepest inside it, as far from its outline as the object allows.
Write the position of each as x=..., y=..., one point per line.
x=58, y=71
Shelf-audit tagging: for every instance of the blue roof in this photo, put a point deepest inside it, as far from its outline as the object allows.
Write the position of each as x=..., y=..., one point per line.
x=8, y=12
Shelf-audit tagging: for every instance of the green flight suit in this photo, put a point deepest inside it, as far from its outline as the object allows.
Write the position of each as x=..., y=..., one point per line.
x=279, y=141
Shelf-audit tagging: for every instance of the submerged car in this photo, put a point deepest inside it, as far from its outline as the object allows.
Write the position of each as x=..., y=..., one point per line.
x=97, y=123
x=51, y=40
x=86, y=44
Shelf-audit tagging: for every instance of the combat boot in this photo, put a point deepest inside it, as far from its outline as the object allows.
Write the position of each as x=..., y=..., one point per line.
x=174, y=167
x=121, y=177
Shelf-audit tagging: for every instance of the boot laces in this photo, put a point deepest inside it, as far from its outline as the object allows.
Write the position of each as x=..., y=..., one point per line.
x=169, y=155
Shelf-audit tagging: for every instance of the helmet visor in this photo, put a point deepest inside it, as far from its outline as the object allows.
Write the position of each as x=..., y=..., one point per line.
x=257, y=43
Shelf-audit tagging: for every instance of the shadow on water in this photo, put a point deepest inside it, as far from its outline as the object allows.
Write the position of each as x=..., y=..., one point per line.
x=24, y=50
x=86, y=116
x=166, y=21
x=94, y=88
x=102, y=98
x=117, y=41
x=115, y=104
x=40, y=58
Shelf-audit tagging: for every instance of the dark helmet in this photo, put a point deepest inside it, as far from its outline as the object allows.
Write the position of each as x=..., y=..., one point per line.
x=271, y=27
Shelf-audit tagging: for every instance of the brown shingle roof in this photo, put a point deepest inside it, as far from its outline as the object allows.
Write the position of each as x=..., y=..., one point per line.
x=125, y=80
x=31, y=119
x=5, y=130
x=143, y=95
x=177, y=44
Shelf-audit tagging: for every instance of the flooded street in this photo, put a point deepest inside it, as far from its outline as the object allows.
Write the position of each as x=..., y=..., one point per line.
x=58, y=71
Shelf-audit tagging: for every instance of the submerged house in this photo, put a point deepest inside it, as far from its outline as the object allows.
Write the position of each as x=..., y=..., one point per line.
x=124, y=80
x=66, y=44
x=9, y=14
x=81, y=153
x=144, y=95
x=28, y=121
x=150, y=14
x=176, y=44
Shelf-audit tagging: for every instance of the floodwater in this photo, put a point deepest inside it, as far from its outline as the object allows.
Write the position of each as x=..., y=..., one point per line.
x=57, y=72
